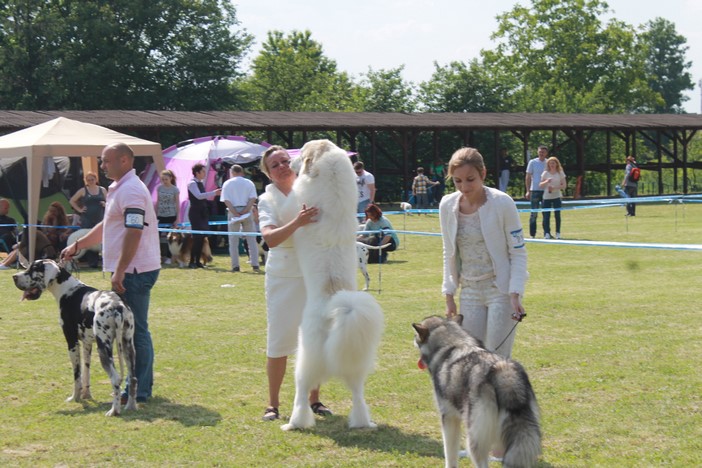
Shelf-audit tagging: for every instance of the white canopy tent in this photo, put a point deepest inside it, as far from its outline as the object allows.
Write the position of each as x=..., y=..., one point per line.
x=65, y=137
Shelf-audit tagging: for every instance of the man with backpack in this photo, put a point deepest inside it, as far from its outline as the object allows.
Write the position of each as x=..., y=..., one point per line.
x=630, y=183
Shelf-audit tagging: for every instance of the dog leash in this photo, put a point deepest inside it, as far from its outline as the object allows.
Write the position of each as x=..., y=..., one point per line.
x=519, y=319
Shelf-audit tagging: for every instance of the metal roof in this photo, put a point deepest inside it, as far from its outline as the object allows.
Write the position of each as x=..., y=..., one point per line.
x=162, y=120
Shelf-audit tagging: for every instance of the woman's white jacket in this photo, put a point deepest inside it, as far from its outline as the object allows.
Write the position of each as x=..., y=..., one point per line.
x=504, y=238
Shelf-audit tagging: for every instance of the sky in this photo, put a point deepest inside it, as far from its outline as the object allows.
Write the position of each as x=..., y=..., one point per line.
x=385, y=34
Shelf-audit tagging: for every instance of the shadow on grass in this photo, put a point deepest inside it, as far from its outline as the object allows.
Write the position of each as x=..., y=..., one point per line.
x=158, y=408
x=385, y=438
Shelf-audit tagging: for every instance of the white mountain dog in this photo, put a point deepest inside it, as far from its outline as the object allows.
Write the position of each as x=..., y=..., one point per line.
x=341, y=327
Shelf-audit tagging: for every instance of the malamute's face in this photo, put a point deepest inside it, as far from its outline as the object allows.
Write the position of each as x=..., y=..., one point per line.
x=423, y=331
x=36, y=278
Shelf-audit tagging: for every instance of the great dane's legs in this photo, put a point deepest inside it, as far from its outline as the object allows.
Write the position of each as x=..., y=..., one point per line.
x=74, y=356
x=105, y=351
x=129, y=352
x=85, y=374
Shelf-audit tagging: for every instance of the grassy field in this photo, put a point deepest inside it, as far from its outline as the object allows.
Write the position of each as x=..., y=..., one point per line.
x=612, y=344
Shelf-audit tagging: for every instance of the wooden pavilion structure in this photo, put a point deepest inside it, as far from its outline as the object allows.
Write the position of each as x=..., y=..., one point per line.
x=668, y=135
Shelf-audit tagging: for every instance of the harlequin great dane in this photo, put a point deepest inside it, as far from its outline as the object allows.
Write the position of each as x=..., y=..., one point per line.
x=85, y=314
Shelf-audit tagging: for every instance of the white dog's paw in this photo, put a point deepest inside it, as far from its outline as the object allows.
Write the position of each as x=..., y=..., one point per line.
x=300, y=419
x=368, y=425
x=360, y=418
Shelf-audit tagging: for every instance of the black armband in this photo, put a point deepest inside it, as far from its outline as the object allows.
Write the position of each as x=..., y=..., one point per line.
x=134, y=218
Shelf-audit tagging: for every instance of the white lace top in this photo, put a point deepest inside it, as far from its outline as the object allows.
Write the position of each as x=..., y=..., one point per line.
x=476, y=263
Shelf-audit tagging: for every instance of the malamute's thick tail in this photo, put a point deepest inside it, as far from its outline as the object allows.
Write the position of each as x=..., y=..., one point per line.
x=354, y=333
x=519, y=414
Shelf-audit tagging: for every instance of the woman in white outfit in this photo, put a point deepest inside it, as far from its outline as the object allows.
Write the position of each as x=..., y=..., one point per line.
x=285, y=287
x=484, y=254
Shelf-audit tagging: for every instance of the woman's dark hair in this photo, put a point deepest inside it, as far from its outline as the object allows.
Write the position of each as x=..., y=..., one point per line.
x=373, y=210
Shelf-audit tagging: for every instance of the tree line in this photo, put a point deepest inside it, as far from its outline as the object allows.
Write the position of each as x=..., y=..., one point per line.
x=551, y=56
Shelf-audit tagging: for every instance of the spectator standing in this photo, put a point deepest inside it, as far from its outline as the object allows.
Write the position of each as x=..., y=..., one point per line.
x=534, y=193
x=631, y=184
x=167, y=208
x=506, y=164
x=484, y=254
x=239, y=195
x=553, y=182
x=199, y=212
x=130, y=246
x=437, y=171
x=284, y=285
x=89, y=202
x=420, y=189
x=366, y=187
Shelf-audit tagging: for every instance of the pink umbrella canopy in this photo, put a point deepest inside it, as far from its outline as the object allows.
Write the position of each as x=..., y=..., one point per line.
x=211, y=151
x=215, y=152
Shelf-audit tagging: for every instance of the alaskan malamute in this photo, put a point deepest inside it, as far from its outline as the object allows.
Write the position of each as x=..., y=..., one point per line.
x=488, y=393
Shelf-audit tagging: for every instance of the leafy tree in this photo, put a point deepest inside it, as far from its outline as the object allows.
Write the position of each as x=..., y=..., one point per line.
x=292, y=74
x=666, y=68
x=122, y=54
x=558, y=56
x=458, y=87
x=385, y=91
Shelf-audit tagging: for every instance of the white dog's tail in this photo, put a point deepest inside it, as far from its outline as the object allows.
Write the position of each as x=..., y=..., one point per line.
x=354, y=334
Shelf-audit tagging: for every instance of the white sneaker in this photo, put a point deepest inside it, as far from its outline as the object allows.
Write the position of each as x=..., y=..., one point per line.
x=167, y=261
x=547, y=236
x=3, y=267
x=558, y=235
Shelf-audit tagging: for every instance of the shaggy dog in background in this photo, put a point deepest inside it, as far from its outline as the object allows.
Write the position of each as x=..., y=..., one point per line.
x=341, y=327
x=489, y=394
x=180, y=245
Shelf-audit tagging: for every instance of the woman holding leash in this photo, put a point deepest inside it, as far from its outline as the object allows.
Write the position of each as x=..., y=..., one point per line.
x=484, y=254
x=284, y=285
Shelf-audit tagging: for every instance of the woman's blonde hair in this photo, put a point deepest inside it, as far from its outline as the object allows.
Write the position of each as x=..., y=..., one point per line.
x=266, y=155
x=465, y=156
x=559, y=168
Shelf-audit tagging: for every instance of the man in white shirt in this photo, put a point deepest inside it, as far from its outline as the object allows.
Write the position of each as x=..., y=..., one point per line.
x=239, y=194
x=534, y=192
x=366, y=188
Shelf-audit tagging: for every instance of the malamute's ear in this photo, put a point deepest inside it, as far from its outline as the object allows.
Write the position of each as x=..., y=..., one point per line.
x=458, y=318
x=422, y=332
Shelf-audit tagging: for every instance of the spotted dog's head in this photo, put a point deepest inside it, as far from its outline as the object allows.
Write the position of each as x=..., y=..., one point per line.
x=38, y=277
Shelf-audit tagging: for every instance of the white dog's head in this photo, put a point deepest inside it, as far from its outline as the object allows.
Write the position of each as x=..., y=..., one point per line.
x=39, y=276
x=313, y=151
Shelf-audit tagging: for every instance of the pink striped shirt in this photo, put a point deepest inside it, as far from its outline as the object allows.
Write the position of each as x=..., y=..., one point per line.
x=129, y=192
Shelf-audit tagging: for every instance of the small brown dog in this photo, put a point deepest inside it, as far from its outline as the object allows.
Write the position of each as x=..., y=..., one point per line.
x=180, y=245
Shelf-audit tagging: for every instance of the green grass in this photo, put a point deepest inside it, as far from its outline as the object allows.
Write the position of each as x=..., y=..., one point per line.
x=612, y=344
